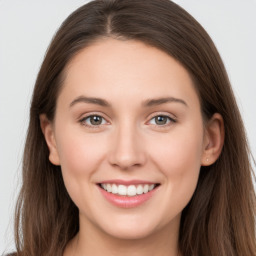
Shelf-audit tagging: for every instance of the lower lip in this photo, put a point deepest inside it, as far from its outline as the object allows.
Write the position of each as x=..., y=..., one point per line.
x=127, y=201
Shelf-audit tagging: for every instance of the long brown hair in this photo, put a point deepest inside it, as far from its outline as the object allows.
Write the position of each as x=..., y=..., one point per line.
x=220, y=218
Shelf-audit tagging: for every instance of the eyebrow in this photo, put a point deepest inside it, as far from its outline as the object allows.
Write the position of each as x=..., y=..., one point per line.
x=146, y=103
x=159, y=101
x=91, y=100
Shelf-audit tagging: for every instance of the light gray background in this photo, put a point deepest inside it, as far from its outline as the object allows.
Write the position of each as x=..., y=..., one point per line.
x=26, y=28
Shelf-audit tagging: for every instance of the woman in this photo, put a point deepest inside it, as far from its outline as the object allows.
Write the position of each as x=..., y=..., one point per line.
x=135, y=143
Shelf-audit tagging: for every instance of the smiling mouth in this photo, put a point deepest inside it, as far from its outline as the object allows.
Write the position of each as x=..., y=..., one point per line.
x=130, y=190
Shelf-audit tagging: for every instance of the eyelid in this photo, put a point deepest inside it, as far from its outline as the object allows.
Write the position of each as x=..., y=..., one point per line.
x=173, y=119
x=89, y=114
x=84, y=116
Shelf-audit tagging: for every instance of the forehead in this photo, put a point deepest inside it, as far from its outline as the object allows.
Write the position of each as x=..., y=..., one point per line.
x=110, y=68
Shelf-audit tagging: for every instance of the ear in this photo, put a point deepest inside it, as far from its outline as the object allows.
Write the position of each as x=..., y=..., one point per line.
x=213, y=140
x=48, y=131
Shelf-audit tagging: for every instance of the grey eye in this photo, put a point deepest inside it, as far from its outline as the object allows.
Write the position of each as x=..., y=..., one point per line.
x=94, y=120
x=161, y=120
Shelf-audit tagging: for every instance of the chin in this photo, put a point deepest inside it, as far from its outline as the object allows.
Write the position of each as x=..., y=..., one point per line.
x=130, y=231
x=128, y=234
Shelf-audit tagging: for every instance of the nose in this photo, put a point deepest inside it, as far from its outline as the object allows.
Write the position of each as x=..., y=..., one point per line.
x=127, y=149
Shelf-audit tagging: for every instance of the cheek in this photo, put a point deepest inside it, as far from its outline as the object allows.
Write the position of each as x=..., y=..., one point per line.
x=79, y=152
x=178, y=156
x=178, y=150
x=183, y=154
x=80, y=156
x=184, y=146
x=180, y=164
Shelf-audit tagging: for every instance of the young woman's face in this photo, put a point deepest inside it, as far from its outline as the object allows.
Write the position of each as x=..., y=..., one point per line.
x=128, y=119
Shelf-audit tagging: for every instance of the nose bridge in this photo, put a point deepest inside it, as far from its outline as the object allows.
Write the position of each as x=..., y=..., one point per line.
x=127, y=147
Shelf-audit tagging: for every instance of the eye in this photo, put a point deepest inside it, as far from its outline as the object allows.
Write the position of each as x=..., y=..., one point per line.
x=93, y=120
x=161, y=120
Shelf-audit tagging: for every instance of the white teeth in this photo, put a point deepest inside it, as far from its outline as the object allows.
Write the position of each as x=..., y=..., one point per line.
x=151, y=187
x=114, y=189
x=145, y=189
x=131, y=190
x=122, y=190
x=140, y=190
x=109, y=188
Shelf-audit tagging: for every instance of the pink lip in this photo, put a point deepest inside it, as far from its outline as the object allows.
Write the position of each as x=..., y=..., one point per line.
x=126, y=182
x=127, y=201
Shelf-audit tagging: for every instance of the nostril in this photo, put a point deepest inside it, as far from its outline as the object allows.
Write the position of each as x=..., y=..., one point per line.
x=127, y=161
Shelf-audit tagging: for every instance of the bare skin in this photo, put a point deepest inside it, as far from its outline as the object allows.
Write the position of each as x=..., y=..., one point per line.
x=129, y=111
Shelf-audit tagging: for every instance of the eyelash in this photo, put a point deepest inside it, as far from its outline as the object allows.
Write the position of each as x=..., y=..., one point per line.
x=91, y=126
x=170, y=121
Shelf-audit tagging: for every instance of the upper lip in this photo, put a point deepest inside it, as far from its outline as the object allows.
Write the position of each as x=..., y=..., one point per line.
x=127, y=182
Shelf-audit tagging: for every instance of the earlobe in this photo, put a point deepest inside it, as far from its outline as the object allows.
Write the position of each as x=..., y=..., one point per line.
x=213, y=140
x=48, y=131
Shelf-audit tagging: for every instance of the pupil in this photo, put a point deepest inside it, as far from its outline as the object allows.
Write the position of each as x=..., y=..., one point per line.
x=96, y=120
x=161, y=120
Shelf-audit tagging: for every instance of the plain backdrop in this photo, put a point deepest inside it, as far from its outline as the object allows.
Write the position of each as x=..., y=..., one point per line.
x=26, y=28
